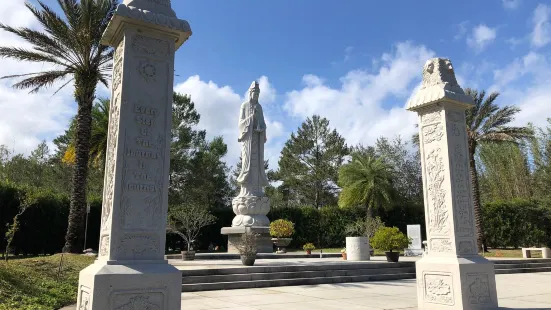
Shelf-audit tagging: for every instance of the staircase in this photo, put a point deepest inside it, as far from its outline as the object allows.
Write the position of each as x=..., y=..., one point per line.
x=522, y=266
x=310, y=274
x=326, y=273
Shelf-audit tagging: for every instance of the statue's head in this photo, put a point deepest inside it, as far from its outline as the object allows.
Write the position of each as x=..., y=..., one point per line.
x=438, y=71
x=254, y=91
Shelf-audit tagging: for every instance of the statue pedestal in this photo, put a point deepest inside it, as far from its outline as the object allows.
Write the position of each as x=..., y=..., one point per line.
x=263, y=242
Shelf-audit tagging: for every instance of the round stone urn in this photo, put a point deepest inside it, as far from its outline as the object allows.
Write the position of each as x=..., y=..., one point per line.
x=357, y=248
x=281, y=244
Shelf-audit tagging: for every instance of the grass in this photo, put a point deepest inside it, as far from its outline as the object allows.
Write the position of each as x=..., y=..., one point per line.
x=33, y=283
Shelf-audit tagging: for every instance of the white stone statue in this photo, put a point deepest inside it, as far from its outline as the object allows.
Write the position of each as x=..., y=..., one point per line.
x=251, y=206
x=252, y=135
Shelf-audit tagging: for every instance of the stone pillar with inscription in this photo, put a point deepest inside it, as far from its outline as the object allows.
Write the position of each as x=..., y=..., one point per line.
x=131, y=272
x=451, y=275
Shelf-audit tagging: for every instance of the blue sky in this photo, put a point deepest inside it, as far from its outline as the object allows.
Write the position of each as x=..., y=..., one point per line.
x=354, y=62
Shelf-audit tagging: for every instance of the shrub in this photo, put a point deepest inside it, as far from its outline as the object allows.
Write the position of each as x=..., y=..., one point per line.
x=282, y=229
x=308, y=247
x=390, y=239
x=517, y=223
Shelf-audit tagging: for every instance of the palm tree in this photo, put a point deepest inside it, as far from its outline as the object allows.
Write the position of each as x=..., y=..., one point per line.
x=367, y=181
x=98, y=138
x=486, y=122
x=71, y=45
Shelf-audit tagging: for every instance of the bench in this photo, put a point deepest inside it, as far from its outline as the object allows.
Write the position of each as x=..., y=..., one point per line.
x=545, y=252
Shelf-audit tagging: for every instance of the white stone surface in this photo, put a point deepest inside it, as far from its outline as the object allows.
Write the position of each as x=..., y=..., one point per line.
x=357, y=248
x=251, y=205
x=451, y=275
x=131, y=272
x=415, y=248
x=534, y=293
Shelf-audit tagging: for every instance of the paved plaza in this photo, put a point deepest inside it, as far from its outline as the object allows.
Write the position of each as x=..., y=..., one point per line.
x=515, y=291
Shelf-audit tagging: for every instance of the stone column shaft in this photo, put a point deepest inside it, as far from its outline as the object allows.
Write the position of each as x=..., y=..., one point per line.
x=451, y=274
x=131, y=272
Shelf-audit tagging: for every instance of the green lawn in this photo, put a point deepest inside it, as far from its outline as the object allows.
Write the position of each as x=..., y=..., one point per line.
x=33, y=283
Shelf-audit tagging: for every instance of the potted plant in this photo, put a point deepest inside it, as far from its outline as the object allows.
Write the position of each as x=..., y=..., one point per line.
x=308, y=247
x=343, y=253
x=186, y=221
x=281, y=232
x=247, y=248
x=390, y=239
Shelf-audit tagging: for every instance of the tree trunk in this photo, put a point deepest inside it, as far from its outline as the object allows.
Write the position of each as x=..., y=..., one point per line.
x=476, y=201
x=85, y=88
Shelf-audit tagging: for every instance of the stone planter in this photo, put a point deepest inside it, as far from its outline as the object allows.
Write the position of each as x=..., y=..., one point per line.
x=188, y=255
x=392, y=257
x=308, y=252
x=281, y=244
x=357, y=248
x=248, y=260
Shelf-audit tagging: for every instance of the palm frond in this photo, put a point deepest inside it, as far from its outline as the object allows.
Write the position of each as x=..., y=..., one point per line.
x=41, y=80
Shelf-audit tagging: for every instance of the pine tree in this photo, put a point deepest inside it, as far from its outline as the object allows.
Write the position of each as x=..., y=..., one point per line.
x=309, y=163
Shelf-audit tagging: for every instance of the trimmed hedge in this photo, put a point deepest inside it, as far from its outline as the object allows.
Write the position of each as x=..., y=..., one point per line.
x=517, y=223
x=507, y=224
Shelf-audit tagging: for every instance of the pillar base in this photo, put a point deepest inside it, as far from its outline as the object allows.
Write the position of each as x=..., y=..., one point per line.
x=263, y=242
x=456, y=283
x=105, y=286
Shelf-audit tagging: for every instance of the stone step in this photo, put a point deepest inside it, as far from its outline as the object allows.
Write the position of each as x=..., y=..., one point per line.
x=296, y=268
x=520, y=261
x=522, y=265
x=222, y=256
x=294, y=274
x=523, y=270
x=195, y=287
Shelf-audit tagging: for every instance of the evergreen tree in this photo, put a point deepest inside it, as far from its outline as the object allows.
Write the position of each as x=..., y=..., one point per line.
x=309, y=163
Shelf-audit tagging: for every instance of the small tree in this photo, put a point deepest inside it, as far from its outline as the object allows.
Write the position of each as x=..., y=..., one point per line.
x=365, y=227
x=27, y=198
x=187, y=220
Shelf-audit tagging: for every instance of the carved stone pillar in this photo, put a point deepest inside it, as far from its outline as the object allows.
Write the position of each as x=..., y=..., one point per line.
x=451, y=275
x=131, y=272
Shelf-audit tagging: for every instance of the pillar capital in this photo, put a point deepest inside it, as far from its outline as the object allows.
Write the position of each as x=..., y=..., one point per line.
x=439, y=85
x=147, y=15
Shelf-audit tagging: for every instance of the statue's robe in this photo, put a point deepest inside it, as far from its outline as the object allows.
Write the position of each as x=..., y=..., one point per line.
x=252, y=134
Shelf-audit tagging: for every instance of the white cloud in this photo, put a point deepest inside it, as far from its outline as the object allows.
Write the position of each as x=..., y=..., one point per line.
x=525, y=83
x=348, y=53
x=541, y=35
x=510, y=4
x=26, y=119
x=481, y=37
x=219, y=109
x=356, y=108
x=461, y=30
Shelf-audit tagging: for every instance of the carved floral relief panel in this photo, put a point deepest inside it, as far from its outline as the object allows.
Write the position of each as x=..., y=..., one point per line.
x=153, y=299
x=463, y=208
x=479, y=288
x=144, y=246
x=439, y=215
x=112, y=138
x=438, y=288
x=150, y=46
x=84, y=300
x=442, y=245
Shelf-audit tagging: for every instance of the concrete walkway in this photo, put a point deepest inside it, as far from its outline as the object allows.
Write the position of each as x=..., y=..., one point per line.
x=515, y=291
